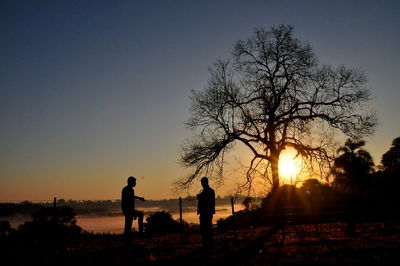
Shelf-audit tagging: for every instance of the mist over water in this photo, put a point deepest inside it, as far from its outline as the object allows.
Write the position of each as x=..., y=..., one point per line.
x=115, y=224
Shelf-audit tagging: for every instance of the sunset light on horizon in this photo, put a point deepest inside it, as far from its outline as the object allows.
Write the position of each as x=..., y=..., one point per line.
x=290, y=167
x=93, y=92
x=199, y=132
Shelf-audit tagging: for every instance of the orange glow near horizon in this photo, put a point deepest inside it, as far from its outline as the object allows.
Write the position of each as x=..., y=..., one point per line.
x=290, y=166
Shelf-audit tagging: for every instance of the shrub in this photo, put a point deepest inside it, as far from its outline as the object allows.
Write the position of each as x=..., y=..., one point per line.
x=51, y=224
x=162, y=222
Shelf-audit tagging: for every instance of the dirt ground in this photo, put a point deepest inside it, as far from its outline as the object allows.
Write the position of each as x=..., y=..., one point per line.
x=372, y=244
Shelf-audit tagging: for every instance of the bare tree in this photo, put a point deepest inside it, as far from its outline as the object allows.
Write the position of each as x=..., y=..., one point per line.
x=272, y=94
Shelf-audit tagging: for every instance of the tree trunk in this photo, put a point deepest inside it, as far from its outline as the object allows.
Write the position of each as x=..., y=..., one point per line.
x=275, y=172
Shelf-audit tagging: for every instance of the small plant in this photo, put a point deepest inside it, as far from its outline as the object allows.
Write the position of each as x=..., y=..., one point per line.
x=249, y=203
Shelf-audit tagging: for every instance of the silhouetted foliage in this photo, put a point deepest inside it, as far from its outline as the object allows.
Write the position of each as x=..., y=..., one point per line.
x=391, y=159
x=353, y=170
x=275, y=209
x=249, y=203
x=312, y=202
x=51, y=224
x=4, y=228
x=391, y=167
x=273, y=95
x=243, y=218
x=385, y=184
x=324, y=197
x=353, y=167
x=288, y=198
x=9, y=209
x=162, y=222
x=313, y=185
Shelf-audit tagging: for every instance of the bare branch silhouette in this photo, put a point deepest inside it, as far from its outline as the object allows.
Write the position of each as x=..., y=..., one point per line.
x=273, y=95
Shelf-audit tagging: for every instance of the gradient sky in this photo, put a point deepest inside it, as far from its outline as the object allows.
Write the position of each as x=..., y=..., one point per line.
x=95, y=91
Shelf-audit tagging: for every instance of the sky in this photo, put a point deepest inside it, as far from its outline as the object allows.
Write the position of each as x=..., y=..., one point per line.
x=95, y=91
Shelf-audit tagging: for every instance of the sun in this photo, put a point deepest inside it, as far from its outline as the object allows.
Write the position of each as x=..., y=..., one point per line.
x=289, y=166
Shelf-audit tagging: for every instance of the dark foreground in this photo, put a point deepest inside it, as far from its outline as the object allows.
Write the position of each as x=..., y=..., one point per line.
x=373, y=244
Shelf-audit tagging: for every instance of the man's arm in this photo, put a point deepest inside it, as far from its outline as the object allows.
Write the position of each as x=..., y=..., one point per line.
x=140, y=198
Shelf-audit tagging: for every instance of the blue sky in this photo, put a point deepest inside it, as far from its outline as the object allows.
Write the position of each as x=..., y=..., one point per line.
x=95, y=91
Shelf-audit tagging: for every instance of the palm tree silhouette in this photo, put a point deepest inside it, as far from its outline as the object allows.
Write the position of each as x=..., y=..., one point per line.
x=352, y=170
x=352, y=167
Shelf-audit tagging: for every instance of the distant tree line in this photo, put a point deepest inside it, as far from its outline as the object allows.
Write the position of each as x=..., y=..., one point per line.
x=107, y=207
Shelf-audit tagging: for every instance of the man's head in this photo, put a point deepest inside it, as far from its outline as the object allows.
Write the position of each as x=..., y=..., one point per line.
x=131, y=181
x=204, y=182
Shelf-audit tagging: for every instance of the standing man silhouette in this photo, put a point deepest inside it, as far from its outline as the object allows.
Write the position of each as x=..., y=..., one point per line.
x=206, y=210
x=128, y=208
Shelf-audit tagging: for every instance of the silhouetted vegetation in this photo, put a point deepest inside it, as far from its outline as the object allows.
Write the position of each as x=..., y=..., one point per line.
x=51, y=224
x=391, y=159
x=24, y=208
x=162, y=222
x=352, y=170
x=319, y=207
x=249, y=203
x=297, y=205
x=385, y=184
x=106, y=207
x=390, y=172
x=5, y=228
x=273, y=94
x=42, y=240
x=353, y=167
x=101, y=207
x=357, y=193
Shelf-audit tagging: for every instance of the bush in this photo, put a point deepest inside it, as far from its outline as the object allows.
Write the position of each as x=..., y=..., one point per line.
x=4, y=228
x=51, y=224
x=162, y=222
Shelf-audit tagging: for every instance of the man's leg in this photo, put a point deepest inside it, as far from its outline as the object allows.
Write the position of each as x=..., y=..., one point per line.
x=140, y=222
x=205, y=229
x=128, y=224
x=128, y=227
x=139, y=215
x=202, y=231
x=208, y=231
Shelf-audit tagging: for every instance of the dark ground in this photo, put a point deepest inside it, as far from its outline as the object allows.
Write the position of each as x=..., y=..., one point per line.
x=373, y=244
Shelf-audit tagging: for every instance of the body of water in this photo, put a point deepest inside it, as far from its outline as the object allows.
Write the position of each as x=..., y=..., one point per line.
x=115, y=224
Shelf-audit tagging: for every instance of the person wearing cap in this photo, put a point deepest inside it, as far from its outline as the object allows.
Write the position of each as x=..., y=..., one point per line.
x=128, y=208
x=206, y=210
